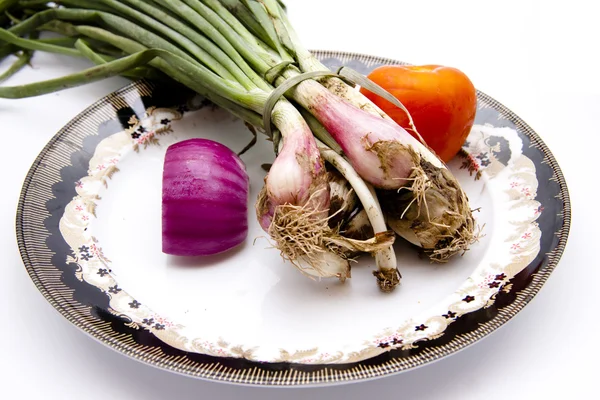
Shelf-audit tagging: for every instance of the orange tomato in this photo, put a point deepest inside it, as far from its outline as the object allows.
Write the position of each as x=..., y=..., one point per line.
x=441, y=100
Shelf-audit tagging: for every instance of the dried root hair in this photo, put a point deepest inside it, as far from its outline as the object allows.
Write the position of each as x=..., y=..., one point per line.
x=303, y=236
x=432, y=213
x=387, y=279
x=457, y=243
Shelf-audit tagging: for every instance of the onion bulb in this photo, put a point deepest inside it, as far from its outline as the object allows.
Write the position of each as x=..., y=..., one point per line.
x=204, y=199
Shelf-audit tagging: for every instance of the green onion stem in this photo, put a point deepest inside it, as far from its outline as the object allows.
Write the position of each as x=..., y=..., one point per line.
x=36, y=44
x=232, y=21
x=88, y=4
x=251, y=99
x=308, y=62
x=116, y=67
x=85, y=4
x=200, y=40
x=71, y=33
x=272, y=8
x=33, y=3
x=6, y=4
x=56, y=26
x=250, y=53
x=305, y=59
x=125, y=27
x=93, y=74
x=266, y=53
x=98, y=59
x=255, y=100
x=11, y=17
x=271, y=54
x=21, y=61
x=188, y=14
x=6, y=50
x=282, y=5
x=209, y=17
x=117, y=23
x=87, y=52
x=191, y=82
x=261, y=15
x=156, y=5
x=174, y=37
x=241, y=12
x=64, y=41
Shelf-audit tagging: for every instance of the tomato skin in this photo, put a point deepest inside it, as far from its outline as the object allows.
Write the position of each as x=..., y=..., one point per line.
x=441, y=100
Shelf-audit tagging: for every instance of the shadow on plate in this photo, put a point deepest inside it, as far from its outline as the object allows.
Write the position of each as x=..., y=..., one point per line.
x=204, y=261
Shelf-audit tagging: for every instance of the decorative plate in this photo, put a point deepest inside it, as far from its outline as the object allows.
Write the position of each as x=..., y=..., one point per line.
x=88, y=227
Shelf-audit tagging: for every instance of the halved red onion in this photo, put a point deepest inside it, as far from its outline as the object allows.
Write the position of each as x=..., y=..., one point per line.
x=204, y=199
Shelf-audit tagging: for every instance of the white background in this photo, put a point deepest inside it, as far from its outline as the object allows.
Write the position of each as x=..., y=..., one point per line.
x=539, y=58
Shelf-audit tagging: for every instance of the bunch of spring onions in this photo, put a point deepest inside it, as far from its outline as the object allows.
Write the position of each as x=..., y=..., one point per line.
x=338, y=154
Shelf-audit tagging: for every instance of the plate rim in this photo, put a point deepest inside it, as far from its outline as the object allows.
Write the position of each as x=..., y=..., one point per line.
x=290, y=377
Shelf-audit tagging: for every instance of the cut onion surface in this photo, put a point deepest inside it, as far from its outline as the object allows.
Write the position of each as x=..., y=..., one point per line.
x=204, y=199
